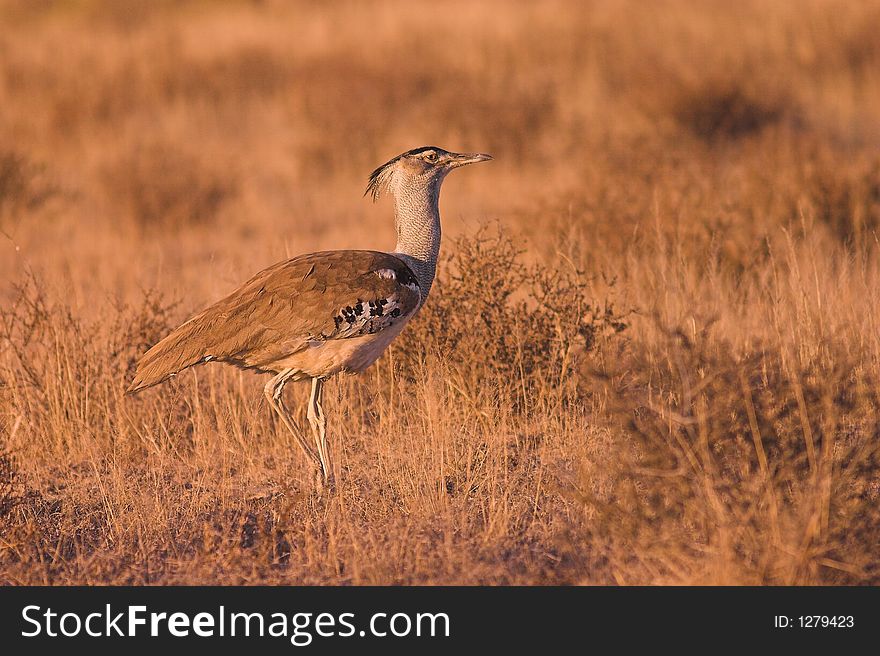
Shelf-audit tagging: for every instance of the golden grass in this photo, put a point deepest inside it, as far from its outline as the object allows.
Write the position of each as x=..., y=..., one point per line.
x=657, y=364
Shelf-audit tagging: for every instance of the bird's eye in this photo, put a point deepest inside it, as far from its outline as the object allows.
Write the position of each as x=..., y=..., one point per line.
x=431, y=157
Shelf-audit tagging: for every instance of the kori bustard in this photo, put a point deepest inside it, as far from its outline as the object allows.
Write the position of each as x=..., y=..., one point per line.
x=324, y=313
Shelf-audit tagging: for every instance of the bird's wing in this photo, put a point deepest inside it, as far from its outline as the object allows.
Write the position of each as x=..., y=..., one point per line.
x=319, y=296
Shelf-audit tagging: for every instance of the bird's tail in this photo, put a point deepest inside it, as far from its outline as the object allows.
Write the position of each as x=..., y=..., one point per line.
x=176, y=352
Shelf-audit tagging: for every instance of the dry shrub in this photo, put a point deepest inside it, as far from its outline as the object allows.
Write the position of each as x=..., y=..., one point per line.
x=24, y=185
x=58, y=369
x=162, y=185
x=61, y=382
x=845, y=195
x=730, y=107
x=751, y=470
x=503, y=326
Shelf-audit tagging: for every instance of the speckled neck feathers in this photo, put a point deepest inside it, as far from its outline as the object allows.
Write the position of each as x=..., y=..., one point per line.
x=417, y=217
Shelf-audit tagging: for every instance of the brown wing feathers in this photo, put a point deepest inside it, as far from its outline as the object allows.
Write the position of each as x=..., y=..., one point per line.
x=278, y=311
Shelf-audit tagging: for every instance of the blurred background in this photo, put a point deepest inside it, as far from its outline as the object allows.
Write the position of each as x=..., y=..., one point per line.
x=157, y=131
x=709, y=171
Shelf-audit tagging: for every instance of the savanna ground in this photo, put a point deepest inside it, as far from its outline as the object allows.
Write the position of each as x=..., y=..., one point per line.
x=651, y=357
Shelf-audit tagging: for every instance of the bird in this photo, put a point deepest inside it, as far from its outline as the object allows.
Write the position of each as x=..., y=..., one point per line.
x=317, y=315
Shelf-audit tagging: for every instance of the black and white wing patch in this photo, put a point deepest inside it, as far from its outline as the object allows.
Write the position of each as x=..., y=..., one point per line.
x=367, y=316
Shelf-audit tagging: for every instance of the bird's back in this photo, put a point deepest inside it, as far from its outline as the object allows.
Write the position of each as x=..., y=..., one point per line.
x=314, y=298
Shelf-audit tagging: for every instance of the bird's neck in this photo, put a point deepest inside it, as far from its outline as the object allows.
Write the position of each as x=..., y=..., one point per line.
x=417, y=217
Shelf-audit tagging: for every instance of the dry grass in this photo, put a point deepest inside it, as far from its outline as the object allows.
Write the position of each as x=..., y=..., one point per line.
x=662, y=368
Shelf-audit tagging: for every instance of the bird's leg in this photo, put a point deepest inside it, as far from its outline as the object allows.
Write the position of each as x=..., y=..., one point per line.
x=273, y=391
x=319, y=428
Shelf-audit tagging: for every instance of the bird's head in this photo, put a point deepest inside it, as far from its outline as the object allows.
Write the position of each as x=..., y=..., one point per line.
x=426, y=166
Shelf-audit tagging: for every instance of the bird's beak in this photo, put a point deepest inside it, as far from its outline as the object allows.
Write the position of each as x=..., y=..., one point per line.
x=461, y=159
